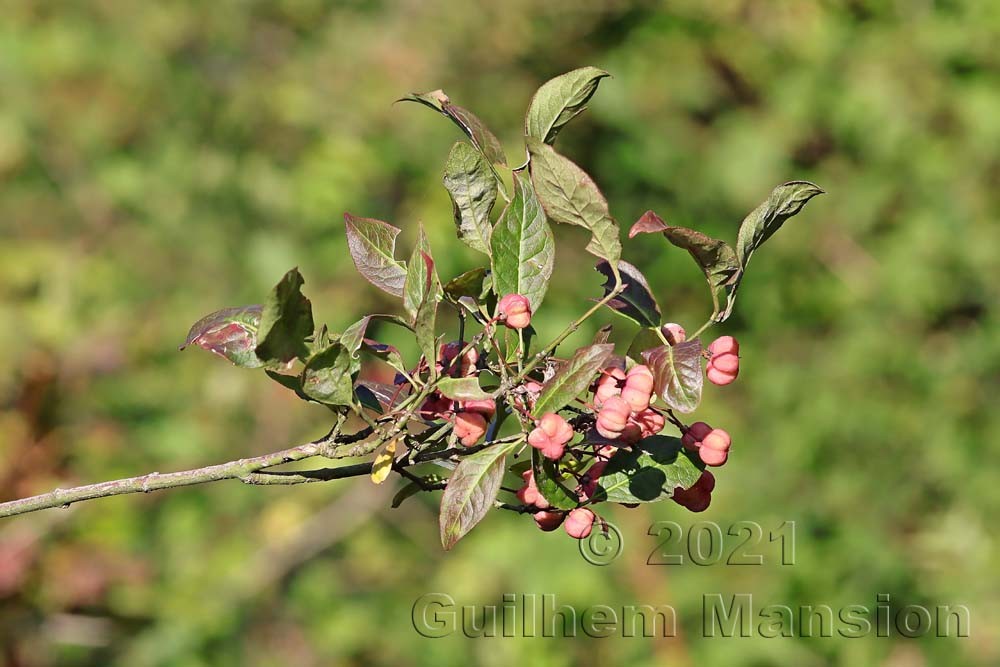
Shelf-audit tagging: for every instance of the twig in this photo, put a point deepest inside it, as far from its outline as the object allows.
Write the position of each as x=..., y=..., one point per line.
x=240, y=469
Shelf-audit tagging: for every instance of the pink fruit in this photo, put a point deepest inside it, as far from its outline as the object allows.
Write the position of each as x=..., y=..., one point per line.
x=717, y=439
x=724, y=344
x=549, y=521
x=551, y=435
x=487, y=407
x=713, y=457
x=613, y=417
x=435, y=406
x=693, y=436
x=717, y=377
x=469, y=427
x=608, y=384
x=674, y=333
x=528, y=494
x=515, y=311
x=579, y=523
x=650, y=421
x=449, y=352
x=727, y=362
x=638, y=388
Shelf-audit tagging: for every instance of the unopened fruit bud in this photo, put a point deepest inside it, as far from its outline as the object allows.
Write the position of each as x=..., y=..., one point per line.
x=712, y=457
x=674, y=333
x=724, y=344
x=638, y=388
x=696, y=499
x=579, y=523
x=515, y=311
x=608, y=384
x=549, y=521
x=650, y=421
x=727, y=362
x=528, y=494
x=436, y=406
x=487, y=407
x=717, y=377
x=469, y=427
x=695, y=433
x=613, y=417
x=551, y=435
x=717, y=439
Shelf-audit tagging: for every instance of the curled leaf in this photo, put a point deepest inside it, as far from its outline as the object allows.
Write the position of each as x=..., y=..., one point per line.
x=636, y=301
x=327, y=376
x=484, y=140
x=286, y=322
x=715, y=258
x=421, y=295
x=560, y=100
x=230, y=333
x=469, y=284
x=784, y=201
x=551, y=484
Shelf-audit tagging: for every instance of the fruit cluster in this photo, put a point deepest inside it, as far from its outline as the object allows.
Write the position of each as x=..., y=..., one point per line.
x=621, y=414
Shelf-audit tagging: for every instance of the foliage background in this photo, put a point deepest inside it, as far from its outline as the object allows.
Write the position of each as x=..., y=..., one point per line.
x=161, y=160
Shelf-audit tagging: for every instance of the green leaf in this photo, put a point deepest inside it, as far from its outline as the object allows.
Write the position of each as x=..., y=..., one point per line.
x=476, y=130
x=372, y=244
x=354, y=336
x=603, y=334
x=412, y=488
x=637, y=301
x=523, y=246
x=559, y=101
x=550, y=482
x=286, y=322
x=421, y=295
x=573, y=378
x=471, y=491
x=677, y=374
x=784, y=201
x=484, y=140
x=292, y=382
x=648, y=472
x=463, y=389
x=386, y=353
x=326, y=377
x=230, y=333
x=570, y=196
x=645, y=339
x=715, y=258
x=473, y=189
x=469, y=284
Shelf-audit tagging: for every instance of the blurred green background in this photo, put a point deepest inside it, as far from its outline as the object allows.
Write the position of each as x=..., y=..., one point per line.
x=161, y=160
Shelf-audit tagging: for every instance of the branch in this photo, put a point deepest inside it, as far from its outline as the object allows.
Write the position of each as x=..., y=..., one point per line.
x=243, y=469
